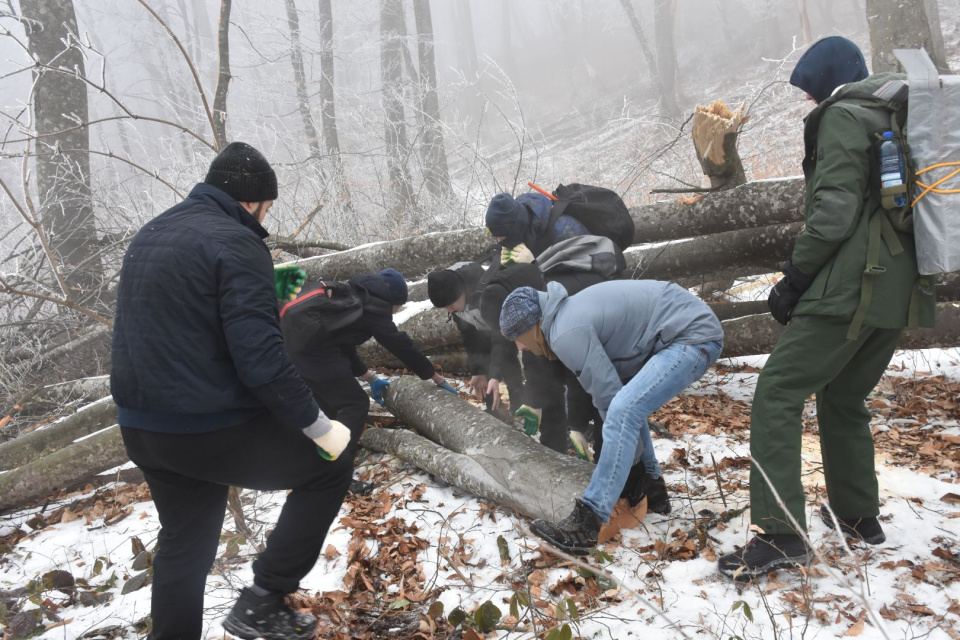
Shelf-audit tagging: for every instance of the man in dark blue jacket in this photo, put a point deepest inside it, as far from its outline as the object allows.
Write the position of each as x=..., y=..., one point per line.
x=207, y=398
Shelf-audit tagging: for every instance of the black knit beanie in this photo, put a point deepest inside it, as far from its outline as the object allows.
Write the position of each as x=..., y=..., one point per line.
x=444, y=287
x=243, y=173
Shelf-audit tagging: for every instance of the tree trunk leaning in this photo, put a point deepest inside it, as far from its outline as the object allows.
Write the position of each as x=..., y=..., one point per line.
x=715, y=132
x=751, y=205
x=66, y=467
x=36, y=444
x=479, y=453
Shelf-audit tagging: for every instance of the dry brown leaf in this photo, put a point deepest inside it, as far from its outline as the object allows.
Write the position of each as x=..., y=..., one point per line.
x=855, y=629
x=921, y=609
x=950, y=497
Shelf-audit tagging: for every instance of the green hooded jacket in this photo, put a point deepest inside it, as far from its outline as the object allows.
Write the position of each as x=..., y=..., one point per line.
x=840, y=201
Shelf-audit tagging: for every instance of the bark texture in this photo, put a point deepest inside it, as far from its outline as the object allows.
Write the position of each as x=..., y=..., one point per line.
x=895, y=24
x=36, y=444
x=435, y=171
x=66, y=467
x=395, y=129
x=223, y=76
x=477, y=452
x=715, y=132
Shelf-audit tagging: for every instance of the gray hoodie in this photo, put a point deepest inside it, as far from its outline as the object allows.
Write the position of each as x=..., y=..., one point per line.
x=607, y=332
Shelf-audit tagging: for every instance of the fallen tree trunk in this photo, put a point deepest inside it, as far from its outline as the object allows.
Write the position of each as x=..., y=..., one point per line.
x=475, y=451
x=36, y=444
x=68, y=466
x=751, y=205
x=756, y=335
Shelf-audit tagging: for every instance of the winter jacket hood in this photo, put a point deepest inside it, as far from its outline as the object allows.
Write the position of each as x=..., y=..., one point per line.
x=828, y=64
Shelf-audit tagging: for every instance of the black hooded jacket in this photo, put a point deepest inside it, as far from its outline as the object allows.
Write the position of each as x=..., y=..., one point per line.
x=340, y=359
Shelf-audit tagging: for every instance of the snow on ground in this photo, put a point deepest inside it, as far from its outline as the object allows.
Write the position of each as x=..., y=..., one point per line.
x=910, y=585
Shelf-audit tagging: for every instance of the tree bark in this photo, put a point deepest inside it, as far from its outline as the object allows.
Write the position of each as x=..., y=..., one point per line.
x=59, y=103
x=479, y=453
x=436, y=173
x=65, y=467
x=223, y=76
x=754, y=204
x=805, y=22
x=895, y=24
x=36, y=444
x=401, y=200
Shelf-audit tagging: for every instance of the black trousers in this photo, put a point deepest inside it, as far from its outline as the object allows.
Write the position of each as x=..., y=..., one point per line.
x=189, y=476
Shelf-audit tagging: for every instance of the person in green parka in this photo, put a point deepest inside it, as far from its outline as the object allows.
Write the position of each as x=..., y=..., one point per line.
x=849, y=289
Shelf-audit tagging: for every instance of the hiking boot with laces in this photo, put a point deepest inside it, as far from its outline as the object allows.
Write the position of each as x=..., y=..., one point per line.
x=268, y=617
x=576, y=534
x=633, y=488
x=764, y=553
x=658, y=500
x=866, y=529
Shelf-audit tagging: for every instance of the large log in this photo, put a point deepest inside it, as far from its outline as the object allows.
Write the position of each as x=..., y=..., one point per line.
x=479, y=453
x=756, y=335
x=64, y=468
x=36, y=444
x=754, y=204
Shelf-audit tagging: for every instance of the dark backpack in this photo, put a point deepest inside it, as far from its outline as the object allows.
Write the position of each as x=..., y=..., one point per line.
x=321, y=309
x=600, y=210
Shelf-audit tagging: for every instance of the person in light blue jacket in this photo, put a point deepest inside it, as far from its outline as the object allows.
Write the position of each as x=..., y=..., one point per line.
x=634, y=345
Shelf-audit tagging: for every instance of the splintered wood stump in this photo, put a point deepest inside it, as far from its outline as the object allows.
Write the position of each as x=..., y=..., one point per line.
x=715, y=131
x=470, y=449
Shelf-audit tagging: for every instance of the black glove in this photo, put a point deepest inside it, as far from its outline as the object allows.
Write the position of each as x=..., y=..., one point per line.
x=786, y=293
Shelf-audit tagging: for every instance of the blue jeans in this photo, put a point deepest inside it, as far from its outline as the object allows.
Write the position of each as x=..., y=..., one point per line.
x=626, y=434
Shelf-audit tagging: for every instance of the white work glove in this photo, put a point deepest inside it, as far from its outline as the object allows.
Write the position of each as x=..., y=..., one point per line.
x=333, y=442
x=521, y=254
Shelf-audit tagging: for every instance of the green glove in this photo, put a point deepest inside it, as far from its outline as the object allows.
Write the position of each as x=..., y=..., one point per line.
x=288, y=280
x=531, y=419
x=505, y=256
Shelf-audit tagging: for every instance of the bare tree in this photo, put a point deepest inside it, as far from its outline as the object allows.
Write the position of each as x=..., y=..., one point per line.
x=663, y=17
x=641, y=37
x=296, y=59
x=395, y=129
x=804, y=21
x=902, y=24
x=59, y=104
x=436, y=174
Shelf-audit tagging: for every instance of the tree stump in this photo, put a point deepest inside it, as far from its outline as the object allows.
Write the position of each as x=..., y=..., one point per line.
x=715, y=132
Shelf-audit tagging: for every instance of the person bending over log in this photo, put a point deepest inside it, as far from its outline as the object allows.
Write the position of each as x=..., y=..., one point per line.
x=325, y=353
x=522, y=226
x=634, y=345
x=555, y=401
x=490, y=357
x=207, y=397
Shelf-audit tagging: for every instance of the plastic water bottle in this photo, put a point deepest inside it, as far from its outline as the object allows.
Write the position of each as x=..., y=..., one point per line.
x=892, y=170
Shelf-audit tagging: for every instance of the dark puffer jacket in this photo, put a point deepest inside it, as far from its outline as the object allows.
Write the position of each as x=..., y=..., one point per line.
x=196, y=340
x=339, y=358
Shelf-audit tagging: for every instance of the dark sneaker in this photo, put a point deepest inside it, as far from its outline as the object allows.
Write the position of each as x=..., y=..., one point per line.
x=576, y=534
x=866, y=529
x=360, y=488
x=764, y=553
x=268, y=617
x=658, y=500
x=633, y=489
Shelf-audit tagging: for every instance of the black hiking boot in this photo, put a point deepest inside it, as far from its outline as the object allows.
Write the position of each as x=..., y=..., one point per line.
x=268, y=617
x=576, y=534
x=866, y=529
x=360, y=488
x=658, y=500
x=633, y=489
x=764, y=553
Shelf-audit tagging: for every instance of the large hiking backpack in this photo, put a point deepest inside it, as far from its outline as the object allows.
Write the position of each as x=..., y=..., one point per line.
x=600, y=210
x=596, y=255
x=314, y=316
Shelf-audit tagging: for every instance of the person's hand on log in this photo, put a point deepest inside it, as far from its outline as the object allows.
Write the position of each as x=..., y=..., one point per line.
x=531, y=418
x=493, y=388
x=479, y=386
x=331, y=444
x=441, y=382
